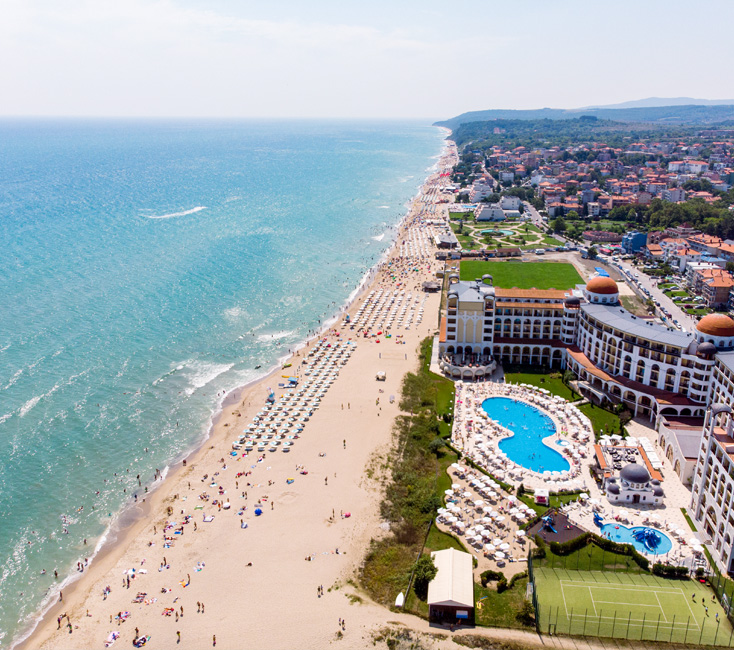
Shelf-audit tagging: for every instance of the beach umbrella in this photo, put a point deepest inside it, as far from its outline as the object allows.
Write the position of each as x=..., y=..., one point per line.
x=478, y=503
x=455, y=486
x=497, y=541
x=467, y=495
x=583, y=496
x=680, y=532
x=500, y=555
x=694, y=541
x=504, y=547
x=520, y=533
x=490, y=547
x=500, y=519
x=448, y=492
x=488, y=509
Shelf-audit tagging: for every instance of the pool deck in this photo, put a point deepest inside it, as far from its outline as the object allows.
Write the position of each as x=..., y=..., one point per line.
x=470, y=421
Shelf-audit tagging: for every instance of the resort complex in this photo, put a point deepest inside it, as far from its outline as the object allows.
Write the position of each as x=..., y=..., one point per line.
x=649, y=368
x=628, y=487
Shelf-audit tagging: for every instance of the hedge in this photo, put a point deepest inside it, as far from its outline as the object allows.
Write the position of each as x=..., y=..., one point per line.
x=516, y=577
x=566, y=548
x=666, y=571
x=573, y=545
x=489, y=575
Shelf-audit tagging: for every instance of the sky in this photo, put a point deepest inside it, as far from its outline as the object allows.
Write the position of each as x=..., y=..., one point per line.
x=345, y=59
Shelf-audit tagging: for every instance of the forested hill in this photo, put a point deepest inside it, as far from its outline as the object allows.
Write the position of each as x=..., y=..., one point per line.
x=692, y=114
x=549, y=133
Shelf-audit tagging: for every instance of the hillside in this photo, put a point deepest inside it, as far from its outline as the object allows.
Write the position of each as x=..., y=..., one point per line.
x=688, y=114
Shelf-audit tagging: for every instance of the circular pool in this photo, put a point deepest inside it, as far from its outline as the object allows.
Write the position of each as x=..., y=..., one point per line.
x=504, y=233
x=623, y=535
x=529, y=426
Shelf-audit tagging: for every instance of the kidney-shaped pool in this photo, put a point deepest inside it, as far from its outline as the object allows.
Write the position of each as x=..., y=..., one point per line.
x=530, y=426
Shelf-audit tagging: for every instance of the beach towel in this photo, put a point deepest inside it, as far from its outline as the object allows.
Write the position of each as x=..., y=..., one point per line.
x=208, y=519
x=111, y=638
x=141, y=641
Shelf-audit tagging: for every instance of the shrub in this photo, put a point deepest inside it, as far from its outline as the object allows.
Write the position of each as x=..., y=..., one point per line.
x=424, y=571
x=667, y=571
x=516, y=577
x=490, y=576
x=502, y=585
x=526, y=615
x=566, y=548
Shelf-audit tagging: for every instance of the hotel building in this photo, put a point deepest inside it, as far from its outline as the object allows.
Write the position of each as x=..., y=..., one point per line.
x=674, y=379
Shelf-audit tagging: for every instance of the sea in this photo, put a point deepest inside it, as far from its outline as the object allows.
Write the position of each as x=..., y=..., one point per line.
x=146, y=269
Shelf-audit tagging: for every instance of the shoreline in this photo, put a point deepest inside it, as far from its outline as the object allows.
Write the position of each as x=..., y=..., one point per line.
x=119, y=541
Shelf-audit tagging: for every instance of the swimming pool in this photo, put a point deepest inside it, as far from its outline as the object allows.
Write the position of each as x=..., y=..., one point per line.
x=506, y=233
x=530, y=426
x=623, y=535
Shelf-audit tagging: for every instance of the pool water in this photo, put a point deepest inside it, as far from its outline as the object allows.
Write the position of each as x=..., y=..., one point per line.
x=506, y=233
x=530, y=426
x=623, y=535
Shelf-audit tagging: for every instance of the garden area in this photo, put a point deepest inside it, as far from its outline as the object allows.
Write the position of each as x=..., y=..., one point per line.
x=602, y=421
x=552, y=381
x=523, y=275
x=488, y=235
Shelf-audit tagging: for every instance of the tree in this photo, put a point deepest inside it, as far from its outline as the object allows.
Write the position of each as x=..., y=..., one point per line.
x=730, y=267
x=572, y=215
x=592, y=253
x=423, y=572
x=559, y=225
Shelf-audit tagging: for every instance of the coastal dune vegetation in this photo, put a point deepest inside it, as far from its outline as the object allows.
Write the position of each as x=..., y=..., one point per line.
x=417, y=480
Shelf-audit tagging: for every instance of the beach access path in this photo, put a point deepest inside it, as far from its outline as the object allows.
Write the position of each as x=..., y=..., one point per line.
x=257, y=586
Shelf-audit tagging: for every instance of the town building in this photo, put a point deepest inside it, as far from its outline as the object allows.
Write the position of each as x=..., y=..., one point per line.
x=633, y=241
x=489, y=212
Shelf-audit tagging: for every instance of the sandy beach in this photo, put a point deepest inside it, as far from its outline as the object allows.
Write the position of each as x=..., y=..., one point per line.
x=206, y=573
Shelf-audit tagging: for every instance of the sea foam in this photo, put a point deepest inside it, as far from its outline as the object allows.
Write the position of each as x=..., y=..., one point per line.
x=170, y=215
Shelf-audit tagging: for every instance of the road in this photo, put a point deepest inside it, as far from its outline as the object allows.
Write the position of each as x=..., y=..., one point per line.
x=685, y=320
x=534, y=215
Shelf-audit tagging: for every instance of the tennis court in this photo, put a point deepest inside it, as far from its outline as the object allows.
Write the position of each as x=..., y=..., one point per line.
x=630, y=606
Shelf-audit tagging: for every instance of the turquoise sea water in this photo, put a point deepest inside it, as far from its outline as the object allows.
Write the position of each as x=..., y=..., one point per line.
x=146, y=267
x=530, y=426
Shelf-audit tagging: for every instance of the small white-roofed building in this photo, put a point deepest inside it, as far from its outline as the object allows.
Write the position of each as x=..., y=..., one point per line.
x=451, y=592
x=634, y=485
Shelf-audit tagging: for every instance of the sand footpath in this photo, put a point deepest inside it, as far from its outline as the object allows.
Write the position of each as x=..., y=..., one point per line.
x=257, y=587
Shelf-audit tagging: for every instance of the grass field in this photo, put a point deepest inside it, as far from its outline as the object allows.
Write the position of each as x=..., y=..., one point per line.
x=602, y=421
x=541, y=379
x=633, y=606
x=523, y=275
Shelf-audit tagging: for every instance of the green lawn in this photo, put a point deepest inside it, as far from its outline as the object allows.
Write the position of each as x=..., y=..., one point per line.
x=523, y=275
x=542, y=380
x=556, y=501
x=551, y=241
x=499, y=610
x=701, y=311
x=602, y=421
x=630, y=606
